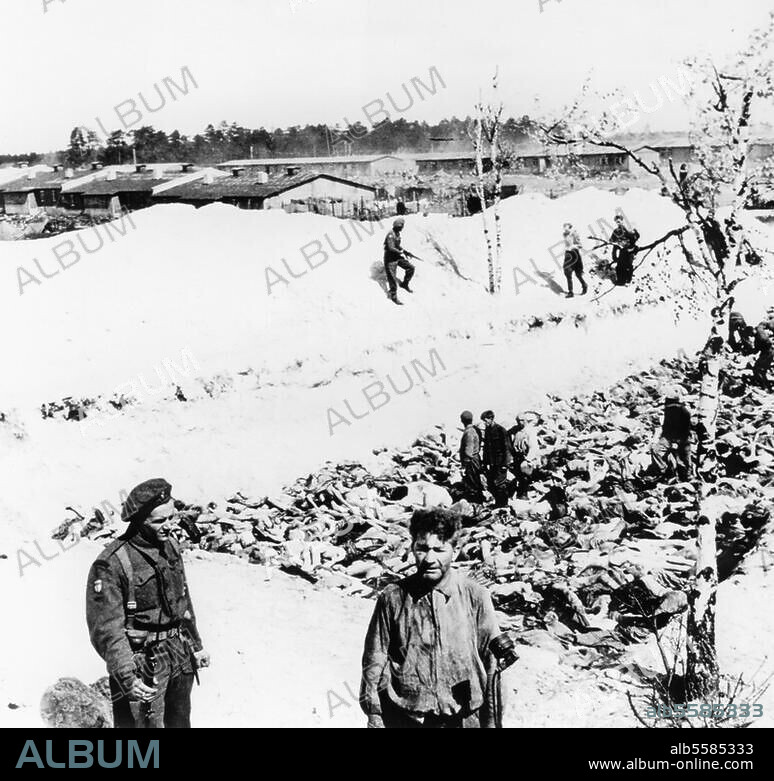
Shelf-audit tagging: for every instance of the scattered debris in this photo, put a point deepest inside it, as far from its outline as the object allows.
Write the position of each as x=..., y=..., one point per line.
x=597, y=556
x=72, y=704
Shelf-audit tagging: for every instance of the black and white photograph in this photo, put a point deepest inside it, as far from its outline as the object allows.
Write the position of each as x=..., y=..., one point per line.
x=377, y=365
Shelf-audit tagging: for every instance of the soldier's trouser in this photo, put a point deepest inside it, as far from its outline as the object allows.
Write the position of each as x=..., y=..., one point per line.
x=391, y=269
x=497, y=480
x=167, y=668
x=471, y=480
x=660, y=451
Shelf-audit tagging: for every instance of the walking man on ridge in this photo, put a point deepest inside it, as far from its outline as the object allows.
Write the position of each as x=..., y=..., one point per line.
x=395, y=256
x=573, y=262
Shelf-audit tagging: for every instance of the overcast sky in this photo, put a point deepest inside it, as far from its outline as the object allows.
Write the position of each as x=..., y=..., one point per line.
x=274, y=63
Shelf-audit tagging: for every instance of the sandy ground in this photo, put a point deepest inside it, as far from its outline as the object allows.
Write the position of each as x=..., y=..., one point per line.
x=284, y=653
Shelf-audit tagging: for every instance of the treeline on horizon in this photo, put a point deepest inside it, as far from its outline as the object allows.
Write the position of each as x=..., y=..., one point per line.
x=228, y=141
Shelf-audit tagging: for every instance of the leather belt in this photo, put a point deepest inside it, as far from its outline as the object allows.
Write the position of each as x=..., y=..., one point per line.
x=153, y=637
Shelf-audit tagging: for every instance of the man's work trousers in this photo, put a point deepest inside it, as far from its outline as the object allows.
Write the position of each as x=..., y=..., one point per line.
x=394, y=717
x=680, y=450
x=471, y=480
x=391, y=269
x=497, y=481
x=167, y=668
x=573, y=264
x=624, y=268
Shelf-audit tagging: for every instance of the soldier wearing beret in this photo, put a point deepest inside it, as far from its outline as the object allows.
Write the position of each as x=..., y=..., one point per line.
x=140, y=615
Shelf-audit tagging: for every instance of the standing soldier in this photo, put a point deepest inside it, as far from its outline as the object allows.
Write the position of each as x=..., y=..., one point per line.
x=140, y=616
x=624, y=243
x=394, y=256
x=573, y=262
x=498, y=457
x=470, y=459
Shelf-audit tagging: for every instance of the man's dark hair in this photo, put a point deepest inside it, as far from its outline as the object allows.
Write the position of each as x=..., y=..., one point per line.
x=466, y=417
x=435, y=520
x=488, y=415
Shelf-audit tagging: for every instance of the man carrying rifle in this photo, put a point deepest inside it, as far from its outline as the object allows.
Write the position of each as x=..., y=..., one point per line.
x=394, y=256
x=140, y=615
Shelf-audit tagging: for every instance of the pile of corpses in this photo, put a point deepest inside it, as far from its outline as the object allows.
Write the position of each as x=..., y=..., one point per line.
x=596, y=552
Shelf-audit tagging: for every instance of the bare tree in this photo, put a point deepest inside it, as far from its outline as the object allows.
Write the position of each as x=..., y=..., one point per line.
x=722, y=102
x=485, y=135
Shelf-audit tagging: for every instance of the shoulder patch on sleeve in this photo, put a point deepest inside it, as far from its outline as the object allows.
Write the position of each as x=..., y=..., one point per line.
x=98, y=586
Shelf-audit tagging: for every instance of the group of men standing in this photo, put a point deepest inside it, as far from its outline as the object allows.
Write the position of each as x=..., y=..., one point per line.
x=493, y=453
x=623, y=241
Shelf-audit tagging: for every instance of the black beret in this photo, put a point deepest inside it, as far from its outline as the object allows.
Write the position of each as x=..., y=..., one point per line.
x=144, y=498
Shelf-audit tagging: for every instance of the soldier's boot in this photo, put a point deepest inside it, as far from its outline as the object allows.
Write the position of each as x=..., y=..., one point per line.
x=395, y=300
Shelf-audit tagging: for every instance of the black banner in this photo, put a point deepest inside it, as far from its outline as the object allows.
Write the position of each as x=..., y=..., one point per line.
x=579, y=752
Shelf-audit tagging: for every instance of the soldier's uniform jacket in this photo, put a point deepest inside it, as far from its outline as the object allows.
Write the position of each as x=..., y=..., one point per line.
x=393, y=249
x=161, y=596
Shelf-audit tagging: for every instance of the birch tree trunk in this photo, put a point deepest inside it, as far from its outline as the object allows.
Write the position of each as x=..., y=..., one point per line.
x=702, y=674
x=498, y=188
x=478, y=145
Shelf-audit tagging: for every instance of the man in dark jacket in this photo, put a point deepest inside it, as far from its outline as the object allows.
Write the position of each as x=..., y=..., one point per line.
x=395, y=256
x=470, y=460
x=498, y=458
x=675, y=438
x=427, y=661
x=624, y=243
x=713, y=235
x=140, y=616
